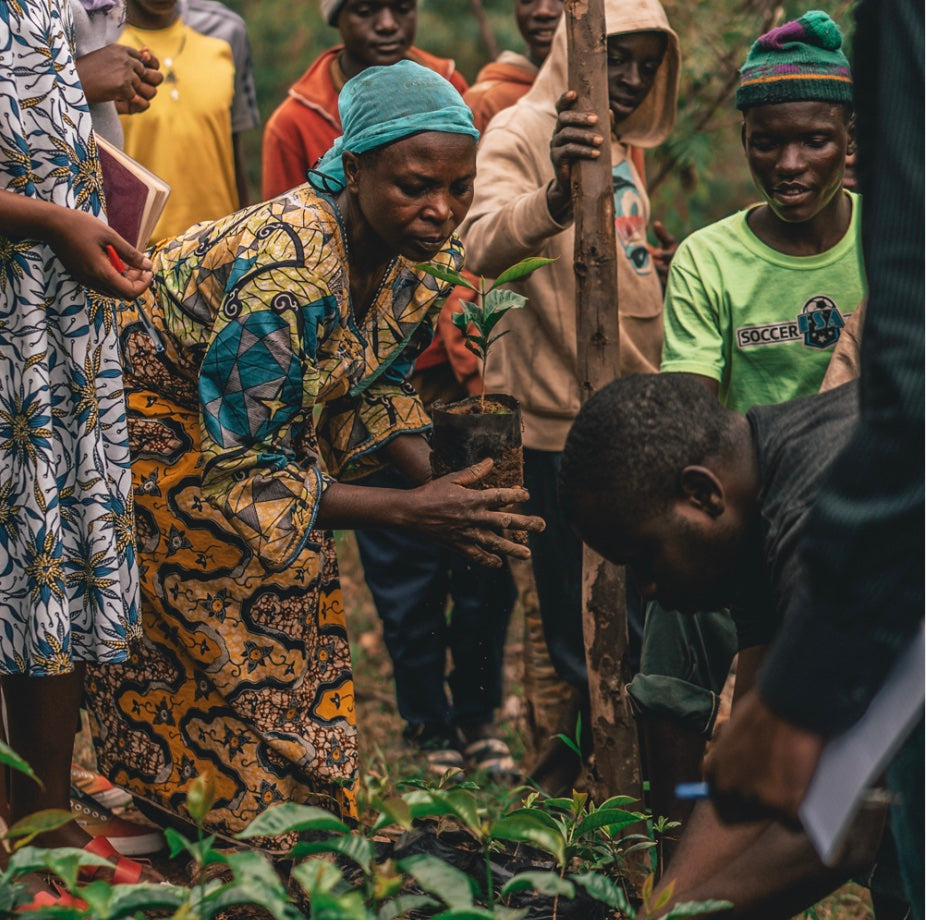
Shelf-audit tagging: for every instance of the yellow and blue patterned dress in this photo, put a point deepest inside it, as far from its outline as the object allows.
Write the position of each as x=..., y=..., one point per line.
x=245, y=368
x=68, y=578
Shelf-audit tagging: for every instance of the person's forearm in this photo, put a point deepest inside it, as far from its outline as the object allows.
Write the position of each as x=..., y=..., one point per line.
x=705, y=848
x=520, y=227
x=346, y=507
x=410, y=454
x=29, y=218
x=778, y=875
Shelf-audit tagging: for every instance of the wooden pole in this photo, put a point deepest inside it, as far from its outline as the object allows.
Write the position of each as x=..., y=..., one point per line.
x=604, y=598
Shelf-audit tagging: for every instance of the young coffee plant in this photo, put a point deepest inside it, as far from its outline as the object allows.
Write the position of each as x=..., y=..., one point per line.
x=571, y=850
x=479, y=317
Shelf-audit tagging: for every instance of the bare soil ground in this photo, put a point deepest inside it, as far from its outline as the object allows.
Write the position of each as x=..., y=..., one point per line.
x=381, y=745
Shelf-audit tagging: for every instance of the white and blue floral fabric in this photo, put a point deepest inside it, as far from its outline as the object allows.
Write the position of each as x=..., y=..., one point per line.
x=68, y=576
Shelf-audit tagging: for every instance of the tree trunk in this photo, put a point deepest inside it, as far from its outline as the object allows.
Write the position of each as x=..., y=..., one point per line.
x=485, y=29
x=604, y=598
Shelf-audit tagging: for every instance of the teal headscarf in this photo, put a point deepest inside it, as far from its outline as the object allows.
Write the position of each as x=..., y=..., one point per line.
x=385, y=104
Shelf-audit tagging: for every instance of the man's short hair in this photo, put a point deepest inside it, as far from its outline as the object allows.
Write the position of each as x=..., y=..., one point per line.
x=632, y=439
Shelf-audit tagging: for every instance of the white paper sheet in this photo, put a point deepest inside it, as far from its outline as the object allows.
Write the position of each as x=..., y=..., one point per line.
x=852, y=761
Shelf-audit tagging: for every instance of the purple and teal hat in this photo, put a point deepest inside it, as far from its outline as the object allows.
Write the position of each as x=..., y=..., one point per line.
x=799, y=61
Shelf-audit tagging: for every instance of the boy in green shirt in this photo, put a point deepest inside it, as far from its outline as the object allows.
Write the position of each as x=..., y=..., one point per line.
x=756, y=302
x=755, y=305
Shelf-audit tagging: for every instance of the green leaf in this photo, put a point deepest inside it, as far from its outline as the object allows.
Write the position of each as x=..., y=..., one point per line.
x=646, y=892
x=465, y=808
x=448, y=883
x=445, y=274
x=10, y=758
x=570, y=744
x=697, y=908
x=61, y=861
x=501, y=301
x=176, y=842
x=510, y=913
x=601, y=888
x=354, y=847
x=289, y=817
x=529, y=827
x=495, y=338
x=548, y=883
x=317, y=876
x=346, y=906
x=618, y=801
x=536, y=814
x=465, y=913
x=460, y=320
x=40, y=822
x=613, y=819
x=564, y=803
x=403, y=904
x=663, y=898
x=520, y=269
x=425, y=803
x=114, y=902
x=394, y=810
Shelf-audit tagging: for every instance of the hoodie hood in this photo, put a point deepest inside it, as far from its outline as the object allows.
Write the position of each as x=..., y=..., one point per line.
x=652, y=122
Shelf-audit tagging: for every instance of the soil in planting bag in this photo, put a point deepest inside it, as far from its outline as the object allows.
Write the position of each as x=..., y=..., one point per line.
x=464, y=434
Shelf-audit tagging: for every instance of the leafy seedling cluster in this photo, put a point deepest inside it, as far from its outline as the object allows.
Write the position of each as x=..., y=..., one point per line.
x=479, y=317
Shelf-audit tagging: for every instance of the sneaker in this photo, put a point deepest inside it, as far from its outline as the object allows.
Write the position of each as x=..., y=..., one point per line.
x=438, y=750
x=492, y=756
x=98, y=788
x=126, y=837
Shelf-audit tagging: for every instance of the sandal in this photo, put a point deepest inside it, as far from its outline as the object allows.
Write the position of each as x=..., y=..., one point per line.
x=60, y=898
x=127, y=837
x=438, y=761
x=492, y=756
x=125, y=871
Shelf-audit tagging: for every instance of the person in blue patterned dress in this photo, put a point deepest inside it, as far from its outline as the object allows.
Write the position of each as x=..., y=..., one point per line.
x=68, y=575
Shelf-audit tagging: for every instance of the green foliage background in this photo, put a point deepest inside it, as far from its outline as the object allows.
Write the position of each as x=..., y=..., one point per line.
x=705, y=176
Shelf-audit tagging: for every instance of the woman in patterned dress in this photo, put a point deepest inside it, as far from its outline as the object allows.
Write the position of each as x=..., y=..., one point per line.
x=272, y=338
x=68, y=578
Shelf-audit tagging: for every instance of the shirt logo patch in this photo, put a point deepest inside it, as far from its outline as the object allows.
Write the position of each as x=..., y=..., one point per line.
x=818, y=325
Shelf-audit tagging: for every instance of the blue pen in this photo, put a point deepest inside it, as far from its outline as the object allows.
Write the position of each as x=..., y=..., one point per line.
x=693, y=791
x=697, y=791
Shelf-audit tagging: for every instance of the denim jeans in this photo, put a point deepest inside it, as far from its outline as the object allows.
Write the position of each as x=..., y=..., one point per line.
x=410, y=578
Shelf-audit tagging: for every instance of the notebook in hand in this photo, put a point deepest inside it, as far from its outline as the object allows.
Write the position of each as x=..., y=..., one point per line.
x=135, y=196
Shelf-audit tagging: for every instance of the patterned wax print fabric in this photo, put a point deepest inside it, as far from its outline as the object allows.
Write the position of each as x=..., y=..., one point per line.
x=245, y=668
x=68, y=578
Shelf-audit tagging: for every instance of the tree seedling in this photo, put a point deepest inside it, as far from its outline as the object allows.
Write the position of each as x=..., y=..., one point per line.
x=479, y=318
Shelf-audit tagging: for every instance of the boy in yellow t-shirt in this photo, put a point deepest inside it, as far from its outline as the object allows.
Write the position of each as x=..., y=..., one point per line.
x=190, y=134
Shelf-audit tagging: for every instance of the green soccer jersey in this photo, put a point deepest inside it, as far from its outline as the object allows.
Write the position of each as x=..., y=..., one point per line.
x=761, y=323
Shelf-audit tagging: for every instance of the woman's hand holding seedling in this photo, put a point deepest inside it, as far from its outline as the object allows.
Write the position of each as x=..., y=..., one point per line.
x=453, y=510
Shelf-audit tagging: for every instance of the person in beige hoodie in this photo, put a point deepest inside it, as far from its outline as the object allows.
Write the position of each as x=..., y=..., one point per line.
x=522, y=207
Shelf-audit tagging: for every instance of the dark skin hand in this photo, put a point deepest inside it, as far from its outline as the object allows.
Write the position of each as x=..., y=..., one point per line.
x=576, y=137
x=120, y=74
x=761, y=765
x=448, y=509
x=79, y=240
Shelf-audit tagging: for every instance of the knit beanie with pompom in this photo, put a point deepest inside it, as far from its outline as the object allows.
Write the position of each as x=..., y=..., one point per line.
x=799, y=61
